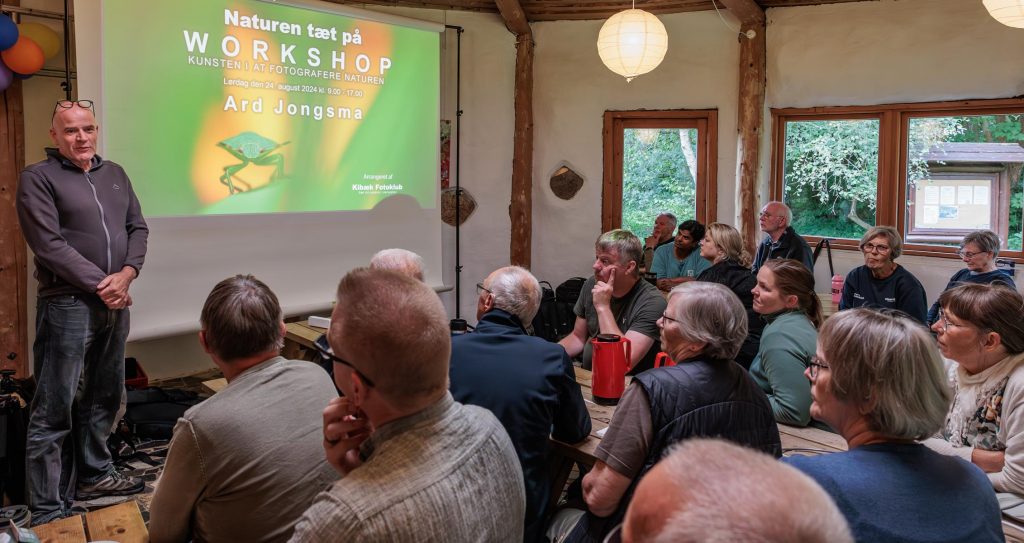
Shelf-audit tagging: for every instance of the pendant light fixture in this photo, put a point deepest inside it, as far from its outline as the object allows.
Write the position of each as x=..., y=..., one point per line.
x=632, y=42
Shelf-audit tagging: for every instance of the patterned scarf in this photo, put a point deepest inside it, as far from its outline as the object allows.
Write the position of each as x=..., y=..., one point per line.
x=975, y=417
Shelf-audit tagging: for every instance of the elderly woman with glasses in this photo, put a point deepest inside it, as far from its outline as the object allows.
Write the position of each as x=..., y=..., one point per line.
x=978, y=250
x=981, y=328
x=706, y=394
x=877, y=379
x=881, y=282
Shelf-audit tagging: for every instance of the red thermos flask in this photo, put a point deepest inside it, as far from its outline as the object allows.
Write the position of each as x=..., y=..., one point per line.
x=610, y=362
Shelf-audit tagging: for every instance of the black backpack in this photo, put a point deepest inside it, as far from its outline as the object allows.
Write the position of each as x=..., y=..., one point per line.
x=555, y=319
x=153, y=412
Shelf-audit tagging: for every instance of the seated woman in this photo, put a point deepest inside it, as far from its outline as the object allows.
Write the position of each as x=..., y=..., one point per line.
x=981, y=328
x=881, y=282
x=730, y=266
x=978, y=250
x=785, y=299
x=680, y=261
x=705, y=395
x=877, y=379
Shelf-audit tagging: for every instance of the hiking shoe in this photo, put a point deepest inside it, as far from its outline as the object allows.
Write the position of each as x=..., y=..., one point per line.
x=114, y=483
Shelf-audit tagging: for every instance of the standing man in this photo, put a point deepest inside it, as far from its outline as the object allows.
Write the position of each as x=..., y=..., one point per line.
x=82, y=220
x=616, y=301
x=781, y=240
x=681, y=261
x=527, y=382
x=664, y=226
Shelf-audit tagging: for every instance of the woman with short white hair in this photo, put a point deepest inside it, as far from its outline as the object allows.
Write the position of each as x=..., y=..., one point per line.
x=978, y=250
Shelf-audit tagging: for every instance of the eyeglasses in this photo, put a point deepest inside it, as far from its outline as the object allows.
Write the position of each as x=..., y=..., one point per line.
x=677, y=321
x=872, y=248
x=766, y=214
x=967, y=255
x=946, y=323
x=480, y=289
x=331, y=356
x=68, y=104
x=815, y=366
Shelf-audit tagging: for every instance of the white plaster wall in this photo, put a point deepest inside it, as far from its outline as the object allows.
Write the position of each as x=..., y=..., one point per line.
x=573, y=89
x=889, y=51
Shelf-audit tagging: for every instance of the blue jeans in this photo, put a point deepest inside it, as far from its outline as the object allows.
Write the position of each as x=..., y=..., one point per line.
x=79, y=371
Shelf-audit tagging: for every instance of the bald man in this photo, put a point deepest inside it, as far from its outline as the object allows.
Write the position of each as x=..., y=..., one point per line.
x=713, y=490
x=84, y=224
x=780, y=240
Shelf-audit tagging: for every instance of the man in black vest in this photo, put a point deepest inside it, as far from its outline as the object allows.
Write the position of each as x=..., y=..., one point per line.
x=780, y=241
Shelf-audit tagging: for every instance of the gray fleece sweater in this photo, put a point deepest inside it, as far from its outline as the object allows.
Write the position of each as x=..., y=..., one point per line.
x=82, y=226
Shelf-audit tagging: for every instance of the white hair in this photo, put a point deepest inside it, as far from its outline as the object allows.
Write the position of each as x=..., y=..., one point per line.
x=515, y=290
x=399, y=260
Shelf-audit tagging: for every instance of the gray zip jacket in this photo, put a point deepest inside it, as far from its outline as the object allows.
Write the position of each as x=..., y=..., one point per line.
x=82, y=226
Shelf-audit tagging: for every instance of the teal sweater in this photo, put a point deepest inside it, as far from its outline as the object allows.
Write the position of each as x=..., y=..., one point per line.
x=787, y=345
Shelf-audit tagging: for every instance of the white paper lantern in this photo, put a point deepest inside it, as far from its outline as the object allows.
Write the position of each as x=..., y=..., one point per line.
x=1008, y=12
x=632, y=42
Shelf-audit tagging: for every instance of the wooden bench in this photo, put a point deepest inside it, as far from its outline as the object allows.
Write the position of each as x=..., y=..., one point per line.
x=122, y=523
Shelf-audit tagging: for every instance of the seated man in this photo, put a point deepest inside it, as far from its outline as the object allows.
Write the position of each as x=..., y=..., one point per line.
x=244, y=464
x=616, y=301
x=399, y=260
x=415, y=464
x=780, y=241
x=711, y=490
x=681, y=261
x=528, y=383
x=661, y=235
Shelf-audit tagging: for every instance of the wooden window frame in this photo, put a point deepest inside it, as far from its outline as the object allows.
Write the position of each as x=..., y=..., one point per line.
x=615, y=122
x=893, y=135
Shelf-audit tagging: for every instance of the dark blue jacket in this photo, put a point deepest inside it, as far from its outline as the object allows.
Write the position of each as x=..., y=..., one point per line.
x=790, y=245
x=901, y=291
x=965, y=276
x=530, y=386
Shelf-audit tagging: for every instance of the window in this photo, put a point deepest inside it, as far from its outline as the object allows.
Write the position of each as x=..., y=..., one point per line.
x=657, y=161
x=935, y=171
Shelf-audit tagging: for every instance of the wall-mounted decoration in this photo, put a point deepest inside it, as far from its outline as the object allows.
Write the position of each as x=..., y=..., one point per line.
x=565, y=183
x=467, y=205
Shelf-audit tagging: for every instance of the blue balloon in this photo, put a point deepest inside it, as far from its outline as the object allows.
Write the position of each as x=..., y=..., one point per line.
x=8, y=32
x=6, y=76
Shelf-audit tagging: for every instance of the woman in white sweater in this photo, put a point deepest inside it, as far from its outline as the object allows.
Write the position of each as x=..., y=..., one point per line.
x=981, y=328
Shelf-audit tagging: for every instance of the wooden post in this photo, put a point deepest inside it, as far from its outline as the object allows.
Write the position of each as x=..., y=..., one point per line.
x=750, y=112
x=520, y=209
x=13, y=255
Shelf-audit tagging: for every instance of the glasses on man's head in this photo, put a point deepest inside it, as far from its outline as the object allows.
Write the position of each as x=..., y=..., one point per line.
x=815, y=366
x=872, y=248
x=68, y=104
x=331, y=356
x=946, y=323
x=967, y=255
x=480, y=289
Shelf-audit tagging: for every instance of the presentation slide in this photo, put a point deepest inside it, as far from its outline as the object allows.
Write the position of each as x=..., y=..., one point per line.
x=248, y=106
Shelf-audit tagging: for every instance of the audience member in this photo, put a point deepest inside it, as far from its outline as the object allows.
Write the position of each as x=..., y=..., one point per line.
x=528, y=383
x=399, y=260
x=661, y=234
x=780, y=240
x=681, y=261
x=785, y=299
x=881, y=282
x=978, y=250
x=616, y=301
x=981, y=328
x=723, y=246
x=712, y=490
x=246, y=463
x=877, y=379
x=705, y=394
x=415, y=464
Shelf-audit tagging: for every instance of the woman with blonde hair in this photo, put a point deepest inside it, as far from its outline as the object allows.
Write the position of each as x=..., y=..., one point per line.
x=877, y=379
x=730, y=266
x=785, y=299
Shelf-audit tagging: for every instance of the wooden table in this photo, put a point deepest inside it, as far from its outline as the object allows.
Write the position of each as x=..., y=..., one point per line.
x=299, y=340
x=122, y=522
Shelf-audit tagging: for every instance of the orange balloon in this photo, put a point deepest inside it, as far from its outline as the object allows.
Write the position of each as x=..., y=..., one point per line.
x=24, y=57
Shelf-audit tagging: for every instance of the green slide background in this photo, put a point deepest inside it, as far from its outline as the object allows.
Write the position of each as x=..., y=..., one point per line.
x=160, y=115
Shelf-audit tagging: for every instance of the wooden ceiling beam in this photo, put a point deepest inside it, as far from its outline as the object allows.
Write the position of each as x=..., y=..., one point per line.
x=515, y=18
x=747, y=11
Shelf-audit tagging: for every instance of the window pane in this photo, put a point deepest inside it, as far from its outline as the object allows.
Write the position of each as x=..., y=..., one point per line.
x=659, y=169
x=831, y=176
x=964, y=174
